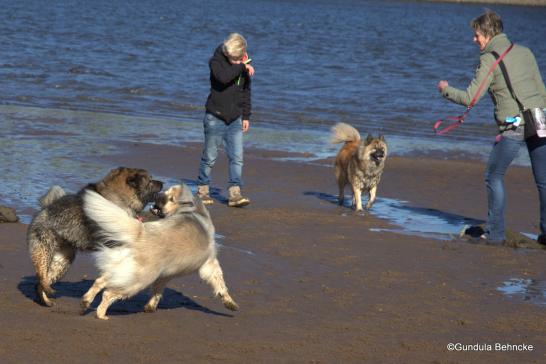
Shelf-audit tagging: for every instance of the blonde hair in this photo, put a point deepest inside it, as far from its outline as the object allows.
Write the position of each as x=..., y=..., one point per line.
x=489, y=24
x=234, y=46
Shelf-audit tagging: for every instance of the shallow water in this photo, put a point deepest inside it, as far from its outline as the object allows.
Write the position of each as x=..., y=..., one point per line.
x=408, y=219
x=526, y=289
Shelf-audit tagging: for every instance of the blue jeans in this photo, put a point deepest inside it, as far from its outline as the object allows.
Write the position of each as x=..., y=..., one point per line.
x=217, y=132
x=501, y=156
x=537, y=153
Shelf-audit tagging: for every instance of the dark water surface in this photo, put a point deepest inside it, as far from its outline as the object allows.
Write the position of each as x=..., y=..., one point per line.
x=79, y=75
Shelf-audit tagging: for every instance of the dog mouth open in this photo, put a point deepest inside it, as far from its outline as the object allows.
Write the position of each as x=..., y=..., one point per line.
x=377, y=156
x=157, y=211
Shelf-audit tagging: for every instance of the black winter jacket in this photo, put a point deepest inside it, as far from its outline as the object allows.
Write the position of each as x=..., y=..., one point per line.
x=229, y=95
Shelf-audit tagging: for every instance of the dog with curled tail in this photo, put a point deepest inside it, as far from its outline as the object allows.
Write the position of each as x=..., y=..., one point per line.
x=359, y=163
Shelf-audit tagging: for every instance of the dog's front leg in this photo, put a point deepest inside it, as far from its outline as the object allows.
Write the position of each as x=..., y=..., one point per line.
x=371, y=197
x=357, y=196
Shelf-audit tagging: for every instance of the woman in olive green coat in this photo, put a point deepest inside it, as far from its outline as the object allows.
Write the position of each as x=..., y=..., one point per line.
x=529, y=89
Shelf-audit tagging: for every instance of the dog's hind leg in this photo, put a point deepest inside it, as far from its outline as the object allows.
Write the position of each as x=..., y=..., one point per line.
x=108, y=298
x=62, y=260
x=157, y=292
x=371, y=197
x=89, y=296
x=341, y=196
x=211, y=272
x=341, y=182
x=42, y=245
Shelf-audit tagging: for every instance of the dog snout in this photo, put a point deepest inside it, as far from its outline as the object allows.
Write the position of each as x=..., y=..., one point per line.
x=157, y=185
x=379, y=154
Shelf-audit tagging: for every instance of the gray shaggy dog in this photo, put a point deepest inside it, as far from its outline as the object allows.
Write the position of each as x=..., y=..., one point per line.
x=61, y=228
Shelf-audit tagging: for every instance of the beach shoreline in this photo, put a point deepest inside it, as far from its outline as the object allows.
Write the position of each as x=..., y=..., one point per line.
x=316, y=283
x=494, y=2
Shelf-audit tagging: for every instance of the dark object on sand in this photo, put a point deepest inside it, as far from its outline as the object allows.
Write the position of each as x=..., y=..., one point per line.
x=7, y=214
x=513, y=238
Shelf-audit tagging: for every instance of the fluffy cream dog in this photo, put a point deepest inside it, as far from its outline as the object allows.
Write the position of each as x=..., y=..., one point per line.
x=152, y=253
x=60, y=229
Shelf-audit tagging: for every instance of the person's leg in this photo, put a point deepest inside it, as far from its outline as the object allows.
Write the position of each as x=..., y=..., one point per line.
x=537, y=153
x=502, y=154
x=233, y=140
x=214, y=131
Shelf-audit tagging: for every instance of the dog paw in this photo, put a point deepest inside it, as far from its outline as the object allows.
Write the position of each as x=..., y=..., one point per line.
x=49, y=303
x=84, y=305
x=46, y=301
x=150, y=309
x=231, y=305
x=42, y=298
x=103, y=317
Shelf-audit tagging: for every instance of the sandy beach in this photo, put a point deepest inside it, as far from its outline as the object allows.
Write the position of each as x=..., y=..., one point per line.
x=315, y=284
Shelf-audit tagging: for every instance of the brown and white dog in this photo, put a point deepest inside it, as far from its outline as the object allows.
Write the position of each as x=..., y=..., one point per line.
x=358, y=163
x=152, y=253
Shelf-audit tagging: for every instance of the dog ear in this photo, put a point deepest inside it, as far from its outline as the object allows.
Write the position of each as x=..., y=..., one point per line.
x=381, y=137
x=369, y=139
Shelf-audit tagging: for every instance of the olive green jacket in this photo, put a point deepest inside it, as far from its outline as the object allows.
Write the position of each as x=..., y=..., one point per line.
x=524, y=75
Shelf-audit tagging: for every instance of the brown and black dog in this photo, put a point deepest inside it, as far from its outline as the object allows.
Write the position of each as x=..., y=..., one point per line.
x=358, y=163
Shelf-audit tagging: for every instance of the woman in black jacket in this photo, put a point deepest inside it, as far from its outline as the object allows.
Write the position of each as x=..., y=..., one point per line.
x=227, y=116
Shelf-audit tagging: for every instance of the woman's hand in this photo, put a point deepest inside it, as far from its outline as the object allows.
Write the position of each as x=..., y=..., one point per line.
x=442, y=84
x=249, y=69
x=246, y=125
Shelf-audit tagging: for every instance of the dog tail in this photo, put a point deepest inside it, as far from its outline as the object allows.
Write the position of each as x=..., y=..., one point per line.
x=54, y=193
x=342, y=133
x=116, y=224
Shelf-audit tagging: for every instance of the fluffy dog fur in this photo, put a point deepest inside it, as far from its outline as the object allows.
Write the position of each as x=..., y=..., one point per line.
x=60, y=227
x=358, y=163
x=152, y=253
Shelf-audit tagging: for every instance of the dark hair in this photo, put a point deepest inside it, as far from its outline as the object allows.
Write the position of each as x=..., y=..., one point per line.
x=489, y=24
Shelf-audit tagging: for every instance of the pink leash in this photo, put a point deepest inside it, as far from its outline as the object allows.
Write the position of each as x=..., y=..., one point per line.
x=460, y=119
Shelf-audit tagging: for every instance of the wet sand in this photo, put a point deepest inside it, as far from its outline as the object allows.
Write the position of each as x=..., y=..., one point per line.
x=314, y=283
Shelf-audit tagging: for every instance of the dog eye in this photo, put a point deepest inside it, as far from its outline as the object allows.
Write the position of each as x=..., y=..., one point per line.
x=171, y=199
